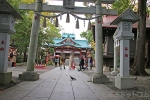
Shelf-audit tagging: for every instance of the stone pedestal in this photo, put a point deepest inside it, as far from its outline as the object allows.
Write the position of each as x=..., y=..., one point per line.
x=106, y=69
x=99, y=78
x=114, y=73
x=5, y=77
x=29, y=76
x=124, y=82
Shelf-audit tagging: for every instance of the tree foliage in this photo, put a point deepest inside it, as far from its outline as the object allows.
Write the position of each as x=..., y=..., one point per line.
x=89, y=37
x=121, y=5
x=23, y=27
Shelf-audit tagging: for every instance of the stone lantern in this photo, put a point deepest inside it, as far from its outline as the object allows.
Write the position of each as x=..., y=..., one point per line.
x=124, y=33
x=7, y=22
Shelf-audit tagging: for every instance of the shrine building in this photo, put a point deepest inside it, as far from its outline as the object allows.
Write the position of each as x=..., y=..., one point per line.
x=108, y=42
x=67, y=45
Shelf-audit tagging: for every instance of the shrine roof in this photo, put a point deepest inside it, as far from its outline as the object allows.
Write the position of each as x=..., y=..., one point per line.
x=83, y=43
x=108, y=19
x=128, y=15
x=76, y=43
x=80, y=43
x=68, y=35
x=6, y=8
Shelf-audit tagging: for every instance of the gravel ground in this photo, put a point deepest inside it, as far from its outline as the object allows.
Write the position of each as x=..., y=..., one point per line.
x=140, y=92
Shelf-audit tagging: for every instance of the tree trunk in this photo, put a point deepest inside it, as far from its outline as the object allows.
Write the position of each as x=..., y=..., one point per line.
x=138, y=67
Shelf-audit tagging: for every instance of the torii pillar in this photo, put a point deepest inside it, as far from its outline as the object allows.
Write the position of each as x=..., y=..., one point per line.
x=98, y=76
x=29, y=74
x=124, y=33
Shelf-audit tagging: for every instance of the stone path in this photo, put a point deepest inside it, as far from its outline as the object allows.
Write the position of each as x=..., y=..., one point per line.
x=57, y=85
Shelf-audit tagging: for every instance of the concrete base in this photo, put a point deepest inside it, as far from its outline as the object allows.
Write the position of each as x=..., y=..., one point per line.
x=148, y=71
x=114, y=73
x=107, y=69
x=5, y=77
x=124, y=82
x=29, y=76
x=99, y=78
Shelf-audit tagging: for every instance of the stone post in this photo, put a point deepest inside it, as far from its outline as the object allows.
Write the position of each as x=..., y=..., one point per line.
x=115, y=72
x=29, y=74
x=98, y=76
x=7, y=22
x=124, y=34
x=124, y=57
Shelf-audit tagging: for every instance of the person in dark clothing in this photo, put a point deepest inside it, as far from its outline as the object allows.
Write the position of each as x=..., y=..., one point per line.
x=62, y=63
x=56, y=60
x=81, y=63
x=59, y=61
x=91, y=63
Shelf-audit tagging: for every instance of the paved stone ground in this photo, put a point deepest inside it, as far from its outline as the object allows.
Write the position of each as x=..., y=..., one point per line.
x=18, y=70
x=140, y=92
x=57, y=85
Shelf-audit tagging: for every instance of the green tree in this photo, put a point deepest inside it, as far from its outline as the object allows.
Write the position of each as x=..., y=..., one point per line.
x=121, y=5
x=22, y=34
x=23, y=30
x=87, y=35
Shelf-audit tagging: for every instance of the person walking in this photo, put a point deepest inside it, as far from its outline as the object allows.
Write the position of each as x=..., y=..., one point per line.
x=56, y=60
x=91, y=63
x=62, y=63
x=13, y=55
x=81, y=63
x=59, y=61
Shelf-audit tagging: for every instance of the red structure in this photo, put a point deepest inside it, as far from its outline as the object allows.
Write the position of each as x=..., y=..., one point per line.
x=68, y=45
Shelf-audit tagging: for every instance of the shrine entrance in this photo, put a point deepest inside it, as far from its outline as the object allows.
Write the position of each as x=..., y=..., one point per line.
x=68, y=8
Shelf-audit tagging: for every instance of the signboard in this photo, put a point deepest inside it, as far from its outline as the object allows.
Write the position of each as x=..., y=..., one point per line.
x=68, y=3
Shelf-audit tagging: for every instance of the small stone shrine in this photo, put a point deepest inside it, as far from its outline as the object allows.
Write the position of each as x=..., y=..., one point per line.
x=7, y=22
x=124, y=33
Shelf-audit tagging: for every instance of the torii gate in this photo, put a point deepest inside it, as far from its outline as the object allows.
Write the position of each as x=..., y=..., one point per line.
x=68, y=5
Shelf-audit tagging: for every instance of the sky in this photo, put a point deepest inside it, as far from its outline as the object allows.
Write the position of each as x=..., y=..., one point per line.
x=70, y=27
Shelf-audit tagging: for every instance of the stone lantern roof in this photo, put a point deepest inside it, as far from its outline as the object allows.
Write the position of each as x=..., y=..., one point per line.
x=6, y=8
x=128, y=15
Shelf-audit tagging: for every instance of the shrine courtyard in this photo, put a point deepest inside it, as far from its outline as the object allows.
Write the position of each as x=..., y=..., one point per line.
x=55, y=84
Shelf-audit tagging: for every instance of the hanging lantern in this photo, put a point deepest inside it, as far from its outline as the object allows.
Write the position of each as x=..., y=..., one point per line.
x=56, y=22
x=68, y=18
x=89, y=25
x=77, y=24
x=44, y=22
